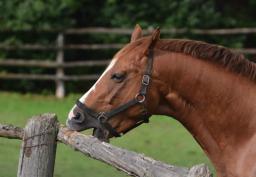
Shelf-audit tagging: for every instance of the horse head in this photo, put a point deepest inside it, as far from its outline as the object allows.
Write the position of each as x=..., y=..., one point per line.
x=120, y=99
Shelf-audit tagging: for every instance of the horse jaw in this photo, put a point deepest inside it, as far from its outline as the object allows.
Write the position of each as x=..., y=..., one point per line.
x=101, y=134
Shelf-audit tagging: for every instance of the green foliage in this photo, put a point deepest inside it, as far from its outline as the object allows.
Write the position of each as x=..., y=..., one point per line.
x=61, y=14
x=32, y=14
x=38, y=14
x=169, y=13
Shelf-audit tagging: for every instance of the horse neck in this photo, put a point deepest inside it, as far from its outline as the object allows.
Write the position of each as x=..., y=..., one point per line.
x=214, y=104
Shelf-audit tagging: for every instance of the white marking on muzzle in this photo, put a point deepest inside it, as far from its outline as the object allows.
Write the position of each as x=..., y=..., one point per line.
x=71, y=113
x=92, y=89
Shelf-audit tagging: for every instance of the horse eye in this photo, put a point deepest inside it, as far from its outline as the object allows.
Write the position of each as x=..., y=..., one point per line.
x=118, y=77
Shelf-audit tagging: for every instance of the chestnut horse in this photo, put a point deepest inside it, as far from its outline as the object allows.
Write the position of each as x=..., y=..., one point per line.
x=208, y=88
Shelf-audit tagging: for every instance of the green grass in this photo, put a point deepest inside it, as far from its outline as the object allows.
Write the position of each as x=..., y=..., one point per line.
x=163, y=139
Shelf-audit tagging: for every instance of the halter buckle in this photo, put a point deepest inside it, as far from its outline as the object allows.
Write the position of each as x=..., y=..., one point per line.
x=145, y=79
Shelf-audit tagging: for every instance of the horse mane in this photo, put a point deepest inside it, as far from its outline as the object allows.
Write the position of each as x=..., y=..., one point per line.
x=220, y=55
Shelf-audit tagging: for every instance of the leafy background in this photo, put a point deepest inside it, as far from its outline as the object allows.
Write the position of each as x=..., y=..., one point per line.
x=34, y=15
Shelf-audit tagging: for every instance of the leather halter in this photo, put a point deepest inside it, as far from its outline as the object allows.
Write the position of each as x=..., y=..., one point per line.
x=139, y=99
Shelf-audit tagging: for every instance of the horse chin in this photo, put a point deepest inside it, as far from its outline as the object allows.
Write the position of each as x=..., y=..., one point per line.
x=101, y=134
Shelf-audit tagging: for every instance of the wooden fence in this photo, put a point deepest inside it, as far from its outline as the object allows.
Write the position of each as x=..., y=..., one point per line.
x=60, y=65
x=38, y=149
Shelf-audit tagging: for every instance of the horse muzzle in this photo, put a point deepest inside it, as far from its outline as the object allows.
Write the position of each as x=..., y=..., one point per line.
x=79, y=120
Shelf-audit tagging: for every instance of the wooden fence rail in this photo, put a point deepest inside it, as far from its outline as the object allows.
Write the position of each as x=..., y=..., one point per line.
x=39, y=147
x=65, y=47
x=11, y=76
x=51, y=64
x=128, y=31
x=60, y=47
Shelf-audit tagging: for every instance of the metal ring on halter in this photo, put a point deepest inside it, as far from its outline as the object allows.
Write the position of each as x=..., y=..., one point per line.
x=102, y=117
x=140, y=98
x=145, y=79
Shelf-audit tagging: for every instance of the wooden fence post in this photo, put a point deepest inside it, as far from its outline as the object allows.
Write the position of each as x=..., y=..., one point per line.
x=38, y=150
x=60, y=84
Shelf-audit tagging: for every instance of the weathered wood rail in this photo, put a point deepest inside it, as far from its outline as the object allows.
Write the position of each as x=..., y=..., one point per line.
x=128, y=31
x=39, y=147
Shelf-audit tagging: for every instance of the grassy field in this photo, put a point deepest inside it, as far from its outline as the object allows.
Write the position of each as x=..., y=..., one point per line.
x=163, y=139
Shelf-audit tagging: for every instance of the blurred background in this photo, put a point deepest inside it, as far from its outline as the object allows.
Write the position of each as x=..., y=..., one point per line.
x=52, y=51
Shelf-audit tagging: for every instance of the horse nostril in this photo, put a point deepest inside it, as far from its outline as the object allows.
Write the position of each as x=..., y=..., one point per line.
x=77, y=116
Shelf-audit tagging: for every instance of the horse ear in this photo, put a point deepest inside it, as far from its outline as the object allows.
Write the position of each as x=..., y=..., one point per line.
x=137, y=33
x=154, y=38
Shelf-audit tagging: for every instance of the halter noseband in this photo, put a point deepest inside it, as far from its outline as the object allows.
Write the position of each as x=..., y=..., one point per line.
x=104, y=117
